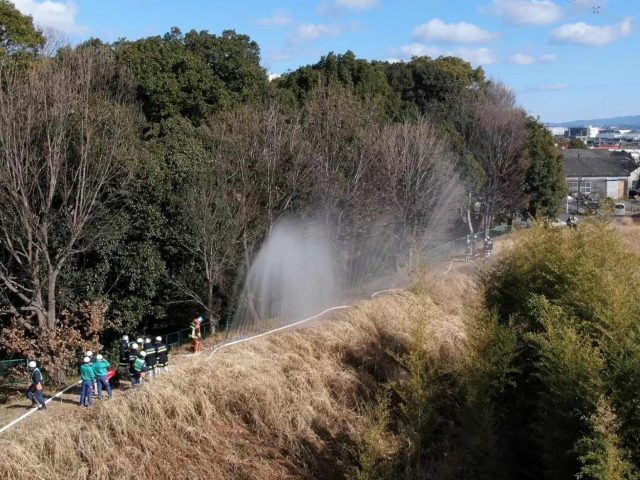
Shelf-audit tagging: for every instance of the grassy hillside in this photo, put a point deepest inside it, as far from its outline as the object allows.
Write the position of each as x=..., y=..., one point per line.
x=286, y=406
x=526, y=366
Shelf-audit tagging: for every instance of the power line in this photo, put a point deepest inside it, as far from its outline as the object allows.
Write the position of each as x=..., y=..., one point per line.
x=596, y=9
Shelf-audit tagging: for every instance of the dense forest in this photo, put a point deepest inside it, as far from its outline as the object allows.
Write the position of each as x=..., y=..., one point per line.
x=138, y=178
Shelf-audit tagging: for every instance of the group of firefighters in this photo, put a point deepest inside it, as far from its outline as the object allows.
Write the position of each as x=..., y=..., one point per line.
x=139, y=360
x=471, y=243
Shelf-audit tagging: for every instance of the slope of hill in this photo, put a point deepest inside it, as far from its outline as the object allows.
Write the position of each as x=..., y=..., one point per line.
x=286, y=406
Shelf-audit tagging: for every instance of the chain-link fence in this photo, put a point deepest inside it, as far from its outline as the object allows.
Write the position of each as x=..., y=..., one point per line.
x=9, y=371
x=446, y=250
x=176, y=339
x=14, y=373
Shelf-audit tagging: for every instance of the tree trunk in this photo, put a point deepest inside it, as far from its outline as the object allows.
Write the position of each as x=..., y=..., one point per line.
x=469, y=222
x=51, y=300
x=210, y=287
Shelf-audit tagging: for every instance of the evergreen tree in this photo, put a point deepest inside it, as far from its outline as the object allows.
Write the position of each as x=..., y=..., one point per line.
x=19, y=39
x=545, y=176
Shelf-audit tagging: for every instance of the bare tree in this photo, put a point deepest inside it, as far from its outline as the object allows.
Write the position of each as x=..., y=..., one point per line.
x=216, y=225
x=63, y=148
x=497, y=141
x=256, y=169
x=420, y=178
x=341, y=131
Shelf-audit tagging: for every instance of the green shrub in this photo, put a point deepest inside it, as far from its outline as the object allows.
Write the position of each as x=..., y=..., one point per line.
x=571, y=300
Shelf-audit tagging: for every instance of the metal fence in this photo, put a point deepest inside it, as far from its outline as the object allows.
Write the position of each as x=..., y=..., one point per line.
x=8, y=372
x=180, y=337
x=12, y=372
x=444, y=251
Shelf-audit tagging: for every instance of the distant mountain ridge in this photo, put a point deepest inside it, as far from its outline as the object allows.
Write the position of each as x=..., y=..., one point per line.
x=629, y=121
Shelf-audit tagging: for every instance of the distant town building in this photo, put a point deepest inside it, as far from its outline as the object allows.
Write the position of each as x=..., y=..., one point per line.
x=582, y=133
x=557, y=131
x=613, y=135
x=598, y=174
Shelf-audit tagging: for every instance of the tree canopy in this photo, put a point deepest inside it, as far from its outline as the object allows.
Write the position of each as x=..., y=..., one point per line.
x=20, y=41
x=220, y=153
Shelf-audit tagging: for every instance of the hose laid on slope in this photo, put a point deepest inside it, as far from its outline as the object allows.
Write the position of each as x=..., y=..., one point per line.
x=34, y=409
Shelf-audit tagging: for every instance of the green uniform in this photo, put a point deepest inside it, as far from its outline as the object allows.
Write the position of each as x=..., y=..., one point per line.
x=86, y=372
x=100, y=368
x=138, y=366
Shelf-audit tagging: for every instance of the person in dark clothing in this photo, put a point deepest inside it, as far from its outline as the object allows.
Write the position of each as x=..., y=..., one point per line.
x=488, y=247
x=123, y=365
x=162, y=354
x=151, y=358
x=133, y=355
x=34, y=393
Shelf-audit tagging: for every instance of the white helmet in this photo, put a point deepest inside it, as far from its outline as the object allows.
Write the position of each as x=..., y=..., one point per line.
x=87, y=359
x=140, y=340
x=99, y=357
x=134, y=346
x=147, y=340
x=125, y=338
x=89, y=353
x=143, y=354
x=158, y=339
x=32, y=364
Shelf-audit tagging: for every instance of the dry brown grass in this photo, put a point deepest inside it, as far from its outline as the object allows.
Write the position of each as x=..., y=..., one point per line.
x=629, y=229
x=284, y=406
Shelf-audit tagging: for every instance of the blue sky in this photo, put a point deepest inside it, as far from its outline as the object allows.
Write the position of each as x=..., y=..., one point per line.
x=566, y=59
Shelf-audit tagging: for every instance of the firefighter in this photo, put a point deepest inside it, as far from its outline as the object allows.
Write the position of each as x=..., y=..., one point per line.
x=467, y=249
x=162, y=355
x=133, y=355
x=34, y=393
x=100, y=368
x=152, y=358
x=488, y=247
x=123, y=364
x=88, y=379
x=196, y=334
x=140, y=342
x=139, y=369
x=89, y=354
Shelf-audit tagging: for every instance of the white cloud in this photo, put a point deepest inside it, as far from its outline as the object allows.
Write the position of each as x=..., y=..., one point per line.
x=278, y=19
x=273, y=76
x=57, y=15
x=526, y=59
x=309, y=32
x=439, y=31
x=356, y=4
x=591, y=35
x=476, y=56
x=527, y=12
